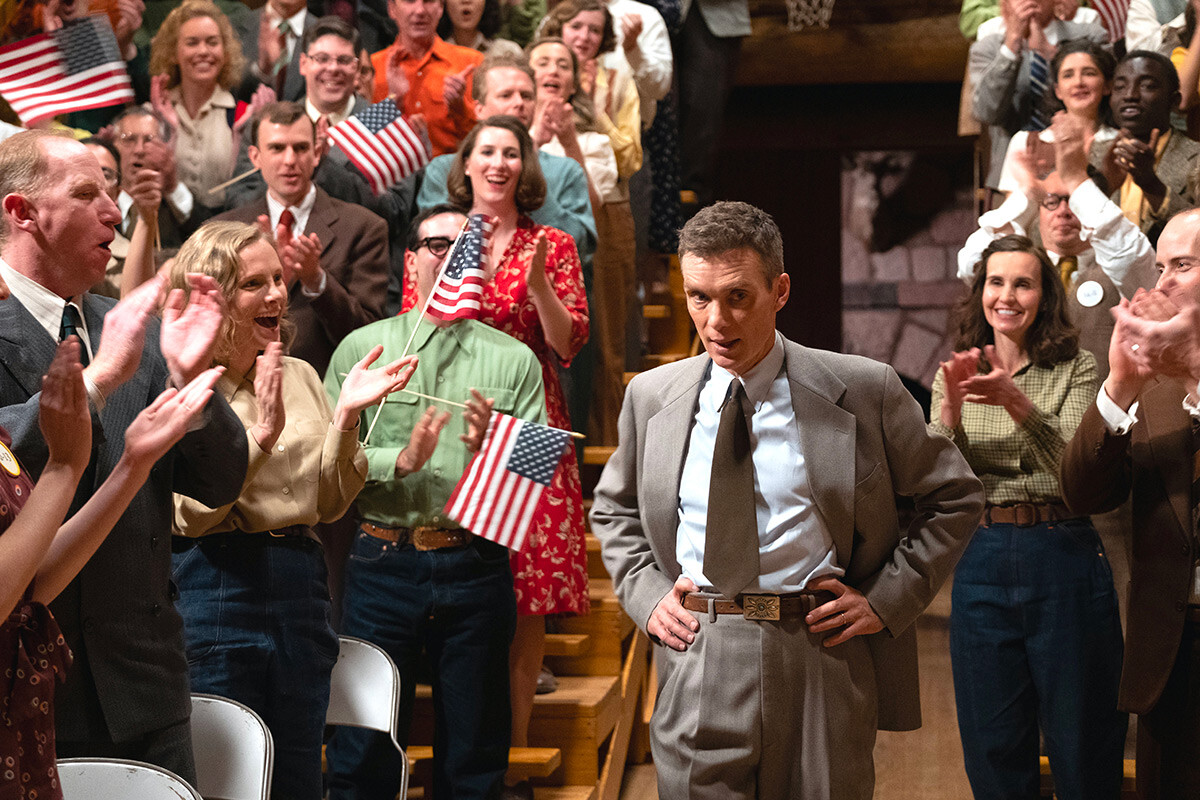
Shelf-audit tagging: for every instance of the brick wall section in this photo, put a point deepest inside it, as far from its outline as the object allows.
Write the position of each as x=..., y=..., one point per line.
x=895, y=304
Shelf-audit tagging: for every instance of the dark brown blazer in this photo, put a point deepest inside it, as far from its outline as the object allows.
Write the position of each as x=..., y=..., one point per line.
x=354, y=253
x=1154, y=462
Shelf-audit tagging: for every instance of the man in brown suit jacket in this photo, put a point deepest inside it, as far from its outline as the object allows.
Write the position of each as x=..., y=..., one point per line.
x=335, y=254
x=1138, y=438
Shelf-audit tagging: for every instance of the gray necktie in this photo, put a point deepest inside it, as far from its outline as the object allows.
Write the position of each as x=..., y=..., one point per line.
x=731, y=536
x=72, y=325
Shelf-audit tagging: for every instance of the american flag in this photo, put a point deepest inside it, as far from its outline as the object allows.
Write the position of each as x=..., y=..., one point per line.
x=458, y=293
x=1113, y=14
x=381, y=143
x=498, y=494
x=76, y=67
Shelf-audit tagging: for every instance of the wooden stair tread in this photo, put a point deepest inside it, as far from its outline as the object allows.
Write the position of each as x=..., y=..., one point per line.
x=578, y=696
x=597, y=454
x=564, y=793
x=533, y=762
x=656, y=311
x=567, y=644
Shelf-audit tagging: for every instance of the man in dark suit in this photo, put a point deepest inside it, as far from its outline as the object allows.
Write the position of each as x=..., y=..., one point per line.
x=784, y=599
x=271, y=43
x=1139, y=438
x=335, y=255
x=127, y=693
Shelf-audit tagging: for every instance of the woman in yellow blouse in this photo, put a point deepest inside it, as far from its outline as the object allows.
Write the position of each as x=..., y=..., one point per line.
x=1035, y=637
x=251, y=575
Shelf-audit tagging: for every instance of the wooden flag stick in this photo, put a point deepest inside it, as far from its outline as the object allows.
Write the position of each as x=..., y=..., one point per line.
x=232, y=181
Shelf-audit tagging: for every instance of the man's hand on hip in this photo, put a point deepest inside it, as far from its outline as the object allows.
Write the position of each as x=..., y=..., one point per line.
x=848, y=613
x=671, y=623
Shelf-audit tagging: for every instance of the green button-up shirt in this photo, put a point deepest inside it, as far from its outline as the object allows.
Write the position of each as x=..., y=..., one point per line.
x=453, y=359
x=1019, y=463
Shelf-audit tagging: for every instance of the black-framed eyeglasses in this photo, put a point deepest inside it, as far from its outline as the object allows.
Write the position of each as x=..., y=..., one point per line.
x=438, y=245
x=325, y=59
x=1053, y=201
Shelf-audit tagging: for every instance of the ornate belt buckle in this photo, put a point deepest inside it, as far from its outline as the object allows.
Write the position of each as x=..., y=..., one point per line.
x=418, y=539
x=760, y=606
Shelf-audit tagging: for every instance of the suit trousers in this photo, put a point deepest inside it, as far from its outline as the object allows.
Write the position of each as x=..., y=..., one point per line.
x=1168, y=738
x=763, y=710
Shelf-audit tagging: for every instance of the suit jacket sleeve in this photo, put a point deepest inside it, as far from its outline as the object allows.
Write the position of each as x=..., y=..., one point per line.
x=355, y=290
x=616, y=518
x=949, y=503
x=994, y=77
x=1096, y=472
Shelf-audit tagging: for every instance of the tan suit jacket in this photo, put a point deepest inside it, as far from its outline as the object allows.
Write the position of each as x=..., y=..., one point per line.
x=865, y=441
x=1154, y=462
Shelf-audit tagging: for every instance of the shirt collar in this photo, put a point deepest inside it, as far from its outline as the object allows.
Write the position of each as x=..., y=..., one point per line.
x=300, y=212
x=335, y=117
x=45, y=306
x=757, y=380
x=295, y=21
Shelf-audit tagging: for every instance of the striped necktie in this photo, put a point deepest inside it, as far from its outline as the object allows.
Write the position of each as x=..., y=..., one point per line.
x=1039, y=72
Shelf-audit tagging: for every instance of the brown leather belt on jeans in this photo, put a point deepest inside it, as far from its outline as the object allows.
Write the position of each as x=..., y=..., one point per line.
x=1025, y=514
x=759, y=606
x=422, y=537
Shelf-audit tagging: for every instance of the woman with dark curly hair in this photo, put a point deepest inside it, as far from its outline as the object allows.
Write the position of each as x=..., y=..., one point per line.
x=1035, y=637
x=471, y=23
x=195, y=61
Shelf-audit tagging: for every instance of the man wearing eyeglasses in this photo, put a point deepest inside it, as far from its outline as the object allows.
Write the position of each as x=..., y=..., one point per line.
x=1102, y=256
x=415, y=579
x=150, y=189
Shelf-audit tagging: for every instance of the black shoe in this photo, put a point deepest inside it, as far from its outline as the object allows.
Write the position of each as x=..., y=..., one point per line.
x=518, y=791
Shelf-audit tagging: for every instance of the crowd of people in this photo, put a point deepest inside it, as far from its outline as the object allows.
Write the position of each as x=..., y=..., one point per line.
x=221, y=388
x=226, y=248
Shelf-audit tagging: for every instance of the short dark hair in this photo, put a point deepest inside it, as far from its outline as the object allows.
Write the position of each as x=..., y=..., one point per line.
x=1164, y=63
x=732, y=225
x=332, y=26
x=491, y=62
x=281, y=112
x=567, y=10
x=107, y=145
x=1051, y=339
x=531, y=184
x=414, y=228
x=489, y=22
x=1101, y=57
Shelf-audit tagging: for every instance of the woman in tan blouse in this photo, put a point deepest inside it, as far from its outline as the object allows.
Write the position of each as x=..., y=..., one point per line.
x=195, y=61
x=251, y=575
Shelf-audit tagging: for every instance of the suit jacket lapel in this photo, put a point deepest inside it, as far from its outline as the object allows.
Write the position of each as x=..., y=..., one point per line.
x=27, y=349
x=666, y=448
x=321, y=221
x=1170, y=438
x=824, y=427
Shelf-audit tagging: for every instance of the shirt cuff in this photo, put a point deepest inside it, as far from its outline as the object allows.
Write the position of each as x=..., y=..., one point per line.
x=1117, y=419
x=95, y=397
x=1191, y=403
x=181, y=201
x=1009, y=54
x=320, y=289
x=1087, y=202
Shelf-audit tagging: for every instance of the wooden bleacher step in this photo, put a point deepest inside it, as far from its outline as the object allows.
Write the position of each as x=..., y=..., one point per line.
x=567, y=644
x=656, y=311
x=564, y=793
x=523, y=762
x=577, y=718
x=595, y=561
x=597, y=454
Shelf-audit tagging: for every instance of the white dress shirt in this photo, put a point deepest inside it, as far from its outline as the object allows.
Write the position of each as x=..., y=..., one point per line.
x=795, y=546
x=300, y=216
x=651, y=62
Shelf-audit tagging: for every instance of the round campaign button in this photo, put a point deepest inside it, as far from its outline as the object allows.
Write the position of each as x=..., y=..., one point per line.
x=1089, y=293
x=9, y=462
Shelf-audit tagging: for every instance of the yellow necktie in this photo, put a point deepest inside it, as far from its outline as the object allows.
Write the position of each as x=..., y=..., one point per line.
x=1066, y=267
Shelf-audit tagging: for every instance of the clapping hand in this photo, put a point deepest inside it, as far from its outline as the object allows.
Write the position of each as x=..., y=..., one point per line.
x=364, y=387
x=957, y=369
x=454, y=88
x=189, y=332
x=421, y=442
x=63, y=413
x=476, y=418
x=164, y=422
x=268, y=392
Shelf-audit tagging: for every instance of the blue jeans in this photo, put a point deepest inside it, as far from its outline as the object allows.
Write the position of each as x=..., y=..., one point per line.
x=256, y=624
x=456, y=604
x=1035, y=638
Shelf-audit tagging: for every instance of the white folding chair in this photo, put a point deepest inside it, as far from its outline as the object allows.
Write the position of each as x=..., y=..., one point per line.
x=233, y=748
x=365, y=693
x=120, y=779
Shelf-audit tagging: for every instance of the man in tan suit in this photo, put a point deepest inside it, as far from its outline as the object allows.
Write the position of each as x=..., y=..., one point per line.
x=774, y=688
x=1139, y=438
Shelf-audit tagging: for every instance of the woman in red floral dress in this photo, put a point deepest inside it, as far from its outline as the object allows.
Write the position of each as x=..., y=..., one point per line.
x=534, y=293
x=40, y=554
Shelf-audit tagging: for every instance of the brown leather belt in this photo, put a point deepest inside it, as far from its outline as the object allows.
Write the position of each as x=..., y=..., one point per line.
x=759, y=606
x=422, y=537
x=1025, y=514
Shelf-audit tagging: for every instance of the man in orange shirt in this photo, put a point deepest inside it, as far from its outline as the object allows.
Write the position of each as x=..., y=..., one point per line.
x=427, y=75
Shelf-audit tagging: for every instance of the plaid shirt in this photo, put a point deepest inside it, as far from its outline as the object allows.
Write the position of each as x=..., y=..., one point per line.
x=1019, y=463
